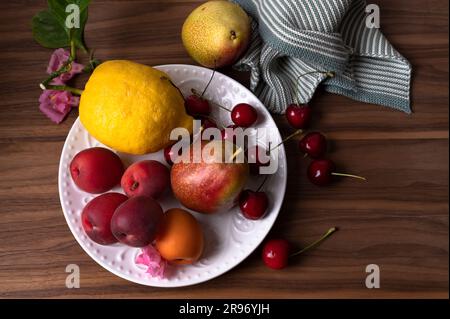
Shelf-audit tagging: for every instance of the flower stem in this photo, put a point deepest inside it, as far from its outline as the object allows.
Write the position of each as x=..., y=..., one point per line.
x=66, y=67
x=349, y=175
x=317, y=242
x=93, y=63
x=61, y=88
x=73, y=50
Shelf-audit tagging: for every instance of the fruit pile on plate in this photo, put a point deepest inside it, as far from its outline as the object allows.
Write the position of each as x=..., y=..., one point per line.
x=135, y=219
x=132, y=109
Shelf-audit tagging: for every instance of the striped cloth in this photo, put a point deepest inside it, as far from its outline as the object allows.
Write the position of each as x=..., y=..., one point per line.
x=293, y=37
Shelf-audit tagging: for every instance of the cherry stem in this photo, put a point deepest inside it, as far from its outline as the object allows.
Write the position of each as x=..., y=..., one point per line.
x=205, y=117
x=222, y=107
x=262, y=184
x=349, y=175
x=210, y=80
x=328, y=74
x=238, y=151
x=287, y=139
x=317, y=242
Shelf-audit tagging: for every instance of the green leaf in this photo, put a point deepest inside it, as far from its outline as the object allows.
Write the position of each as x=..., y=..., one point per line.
x=48, y=32
x=57, y=11
x=58, y=8
x=78, y=34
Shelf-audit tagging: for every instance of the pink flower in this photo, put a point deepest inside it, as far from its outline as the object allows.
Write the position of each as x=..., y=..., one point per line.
x=151, y=258
x=57, y=104
x=57, y=60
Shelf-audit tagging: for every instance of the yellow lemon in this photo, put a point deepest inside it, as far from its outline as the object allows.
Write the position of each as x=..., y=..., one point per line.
x=132, y=108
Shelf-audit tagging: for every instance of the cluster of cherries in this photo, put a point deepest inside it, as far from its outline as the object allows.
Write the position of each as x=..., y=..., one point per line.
x=254, y=204
x=321, y=170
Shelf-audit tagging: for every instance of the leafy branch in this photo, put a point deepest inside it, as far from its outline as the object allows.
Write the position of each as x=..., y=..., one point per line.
x=51, y=30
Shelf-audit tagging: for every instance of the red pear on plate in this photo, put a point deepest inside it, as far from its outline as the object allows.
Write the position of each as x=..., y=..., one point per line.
x=210, y=185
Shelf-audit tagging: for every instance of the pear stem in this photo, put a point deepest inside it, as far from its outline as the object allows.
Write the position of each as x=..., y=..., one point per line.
x=317, y=242
x=349, y=175
x=287, y=139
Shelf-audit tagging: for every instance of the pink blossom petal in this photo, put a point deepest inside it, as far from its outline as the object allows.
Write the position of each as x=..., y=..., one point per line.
x=52, y=114
x=57, y=60
x=77, y=68
x=151, y=258
x=57, y=81
x=140, y=259
x=143, y=259
x=61, y=101
x=56, y=104
x=75, y=101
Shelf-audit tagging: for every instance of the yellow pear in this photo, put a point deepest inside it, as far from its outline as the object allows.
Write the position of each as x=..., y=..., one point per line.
x=217, y=33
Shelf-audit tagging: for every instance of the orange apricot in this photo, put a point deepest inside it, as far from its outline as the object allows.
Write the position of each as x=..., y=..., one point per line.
x=180, y=237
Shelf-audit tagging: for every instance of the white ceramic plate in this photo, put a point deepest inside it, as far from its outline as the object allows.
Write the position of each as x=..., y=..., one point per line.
x=229, y=237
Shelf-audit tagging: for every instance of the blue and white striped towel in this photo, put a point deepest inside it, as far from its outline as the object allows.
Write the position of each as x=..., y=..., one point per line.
x=294, y=37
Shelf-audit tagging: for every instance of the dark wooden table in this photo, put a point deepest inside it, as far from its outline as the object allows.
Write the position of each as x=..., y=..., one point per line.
x=397, y=220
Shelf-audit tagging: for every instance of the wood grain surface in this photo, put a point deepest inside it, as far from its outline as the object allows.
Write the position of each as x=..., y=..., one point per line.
x=397, y=220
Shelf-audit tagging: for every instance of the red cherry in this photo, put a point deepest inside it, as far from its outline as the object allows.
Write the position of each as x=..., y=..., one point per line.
x=299, y=117
x=170, y=155
x=322, y=171
x=208, y=123
x=197, y=105
x=253, y=205
x=276, y=253
x=313, y=144
x=244, y=115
